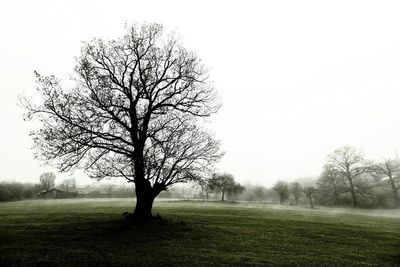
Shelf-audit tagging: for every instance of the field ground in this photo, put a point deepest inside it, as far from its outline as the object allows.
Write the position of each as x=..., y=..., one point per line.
x=89, y=232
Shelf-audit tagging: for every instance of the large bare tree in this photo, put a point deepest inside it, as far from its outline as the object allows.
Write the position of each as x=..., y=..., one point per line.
x=135, y=112
x=350, y=163
x=390, y=169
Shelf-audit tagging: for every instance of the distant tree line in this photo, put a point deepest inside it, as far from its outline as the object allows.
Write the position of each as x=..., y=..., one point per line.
x=12, y=191
x=348, y=178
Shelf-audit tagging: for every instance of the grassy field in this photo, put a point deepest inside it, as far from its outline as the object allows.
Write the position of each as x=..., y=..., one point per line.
x=89, y=232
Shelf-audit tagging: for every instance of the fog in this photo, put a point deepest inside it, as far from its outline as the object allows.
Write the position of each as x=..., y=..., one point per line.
x=296, y=79
x=328, y=211
x=127, y=202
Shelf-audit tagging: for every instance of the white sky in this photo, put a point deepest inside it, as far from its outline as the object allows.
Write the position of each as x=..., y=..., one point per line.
x=297, y=78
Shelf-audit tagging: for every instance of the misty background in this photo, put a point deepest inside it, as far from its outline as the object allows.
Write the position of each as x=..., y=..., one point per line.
x=296, y=79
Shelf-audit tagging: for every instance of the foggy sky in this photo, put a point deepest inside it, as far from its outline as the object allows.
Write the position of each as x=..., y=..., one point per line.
x=297, y=79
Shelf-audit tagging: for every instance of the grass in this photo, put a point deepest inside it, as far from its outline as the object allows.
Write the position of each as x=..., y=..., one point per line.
x=89, y=232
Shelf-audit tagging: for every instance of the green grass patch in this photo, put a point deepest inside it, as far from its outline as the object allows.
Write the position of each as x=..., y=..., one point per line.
x=89, y=232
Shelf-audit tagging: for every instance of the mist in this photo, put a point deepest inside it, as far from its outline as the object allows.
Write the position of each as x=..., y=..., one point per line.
x=175, y=133
x=316, y=76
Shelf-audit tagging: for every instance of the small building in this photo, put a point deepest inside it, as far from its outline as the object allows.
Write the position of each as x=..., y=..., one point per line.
x=56, y=193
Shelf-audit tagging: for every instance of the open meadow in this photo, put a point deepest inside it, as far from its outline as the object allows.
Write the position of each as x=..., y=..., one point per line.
x=195, y=233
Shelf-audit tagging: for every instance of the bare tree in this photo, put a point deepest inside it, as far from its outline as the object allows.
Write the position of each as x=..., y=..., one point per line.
x=390, y=169
x=236, y=190
x=310, y=192
x=135, y=112
x=331, y=183
x=295, y=190
x=259, y=192
x=282, y=188
x=224, y=183
x=68, y=184
x=205, y=190
x=350, y=164
x=47, y=180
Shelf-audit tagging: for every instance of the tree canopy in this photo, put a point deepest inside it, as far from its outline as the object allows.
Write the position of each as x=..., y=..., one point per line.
x=224, y=183
x=134, y=112
x=349, y=163
x=47, y=180
x=282, y=189
x=389, y=169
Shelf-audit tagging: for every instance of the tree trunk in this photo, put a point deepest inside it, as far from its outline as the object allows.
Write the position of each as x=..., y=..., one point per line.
x=223, y=194
x=311, y=204
x=145, y=193
x=353, y=193
x=145, y=196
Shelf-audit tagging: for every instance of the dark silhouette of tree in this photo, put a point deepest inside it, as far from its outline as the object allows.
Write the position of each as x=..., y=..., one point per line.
x=282, y=189
x=296, y=190
x=350, y=163
x=135, y=112
x=309, y=191
x=389, y=169
x=224, y=183
x=47, y=180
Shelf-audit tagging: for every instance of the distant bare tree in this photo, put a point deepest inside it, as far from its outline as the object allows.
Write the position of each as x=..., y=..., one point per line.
x=205, y=189
x=390, y=169
x=134, y=112
x=309, y=191
x=68, y=184
x=282, y=188
x=47, y=180
x=331, y=183
x=259, y=192
x=236, y=190
x=296, y=190
x=224, y=183
x=350, y=164
x=108, y=188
